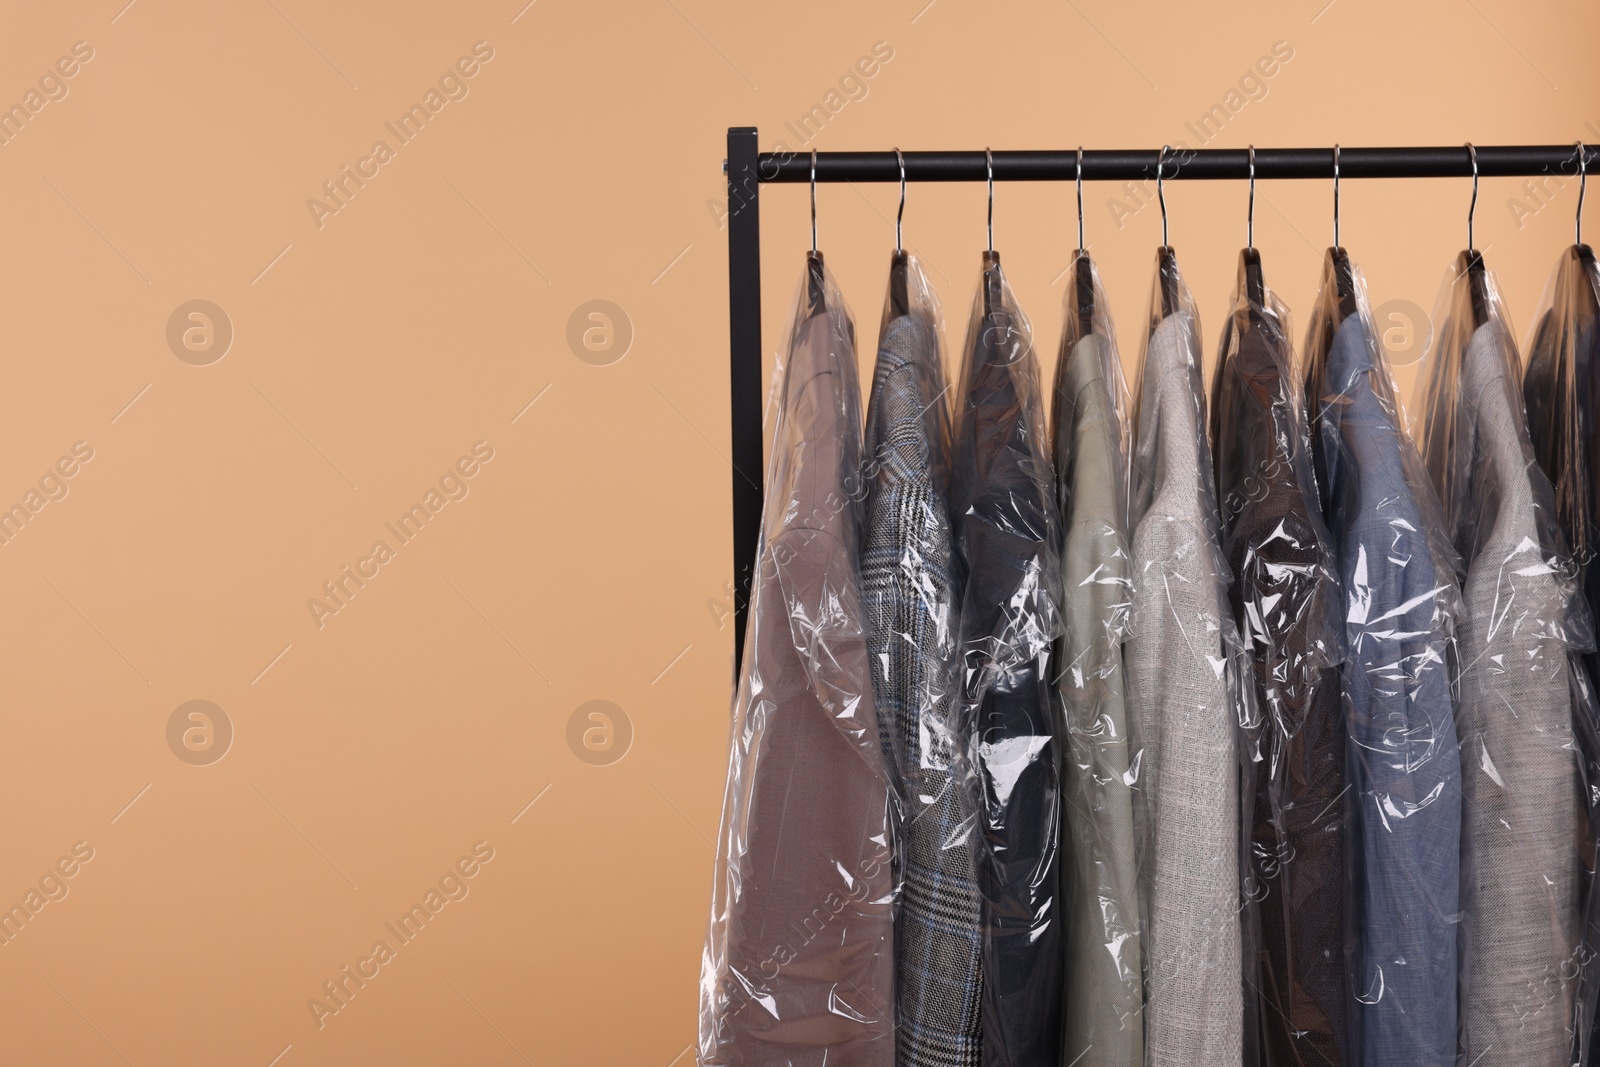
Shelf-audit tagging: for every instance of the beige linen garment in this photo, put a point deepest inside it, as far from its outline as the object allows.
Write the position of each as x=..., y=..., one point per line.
x=1181, y=719
x=1517, y=748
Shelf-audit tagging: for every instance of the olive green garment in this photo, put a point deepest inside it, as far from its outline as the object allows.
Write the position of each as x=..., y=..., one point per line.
x=1104, y=1026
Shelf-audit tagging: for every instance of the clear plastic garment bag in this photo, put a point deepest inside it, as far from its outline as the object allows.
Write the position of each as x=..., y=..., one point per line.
x=1187, y=703
x=1285, y=597
x=1400, y=605
x=909, y=574
x=798, y=968
x=1006, y=532
x=1562, y=390
x=1104, y=995
x=1523, y=696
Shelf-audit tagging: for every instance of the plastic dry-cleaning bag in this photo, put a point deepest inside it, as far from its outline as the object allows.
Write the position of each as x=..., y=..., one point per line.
x=1003, y=508
x=798, y=968
x=1562, y=390
x=1400, y=603
x=1285, y=598
x=1522, y=693
x=1187, y=705
x=1562, y=387
x=1104, y=992
x=908, y=575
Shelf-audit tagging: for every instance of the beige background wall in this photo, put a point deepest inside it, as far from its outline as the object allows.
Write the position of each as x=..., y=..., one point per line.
x=373, y=347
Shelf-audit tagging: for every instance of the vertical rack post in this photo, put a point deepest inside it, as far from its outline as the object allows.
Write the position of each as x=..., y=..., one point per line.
x=744, y=369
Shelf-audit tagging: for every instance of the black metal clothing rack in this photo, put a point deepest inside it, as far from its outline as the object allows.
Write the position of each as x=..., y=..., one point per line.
x=748, y=168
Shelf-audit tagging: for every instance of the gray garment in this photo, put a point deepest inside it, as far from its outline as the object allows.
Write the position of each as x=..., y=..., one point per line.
x=1186, y=804
x=1104, y=991
x=911, y=645
x=1517, y=746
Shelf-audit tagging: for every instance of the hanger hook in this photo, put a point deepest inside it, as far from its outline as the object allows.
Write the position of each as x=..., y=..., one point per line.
x=1472, y=209
x=1336, y=196
x=1250, y=219
x=988, y=158
x=1583, y=180
x=813, y=200
x=898, y=215
x=1161, y=189
x=1080, y=197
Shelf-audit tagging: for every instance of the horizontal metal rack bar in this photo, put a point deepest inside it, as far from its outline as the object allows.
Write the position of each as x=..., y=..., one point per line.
x=1180, y=164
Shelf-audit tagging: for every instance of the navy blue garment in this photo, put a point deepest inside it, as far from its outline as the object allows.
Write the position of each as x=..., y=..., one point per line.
x=1003, y=511
x=1405, y=759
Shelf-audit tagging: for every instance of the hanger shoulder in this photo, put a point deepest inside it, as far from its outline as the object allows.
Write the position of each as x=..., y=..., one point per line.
x=816, y=283
x=1085, y=292
x=1255, y=286
x=1344, y=282
x=1471, y=264
x=991, y=282
x=1167, y=265
x=899, y=285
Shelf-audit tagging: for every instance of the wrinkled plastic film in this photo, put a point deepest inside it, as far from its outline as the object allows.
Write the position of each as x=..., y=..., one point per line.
x=1006, y=530
x=1285, y=599
x=798, y=968
x=1103, y=1023
x=1399, y=608
x=1187, y=705
x=908, y=577
x=1562, y=392
x=1520, y=692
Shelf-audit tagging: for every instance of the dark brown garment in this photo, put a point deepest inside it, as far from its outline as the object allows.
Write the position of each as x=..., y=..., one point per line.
x=799, y=963
x=1284, y=595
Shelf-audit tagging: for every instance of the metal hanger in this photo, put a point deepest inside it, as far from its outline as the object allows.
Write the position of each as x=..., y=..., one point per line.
x=1161, y=189
x=1585, y=253
x=1344, y=275
x=1472, y=208
x=1166, y=258
x=1078, y=174
x=1083, y=268
x=1336, y=196
x=988, y=158
x=899, y=266
x=1250, y=215
x=1580, y=251
x=991, y=258
x=813, y=201
x=1250, y=259
x=901, y=213
x=816, y=286
x=1470, y=262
